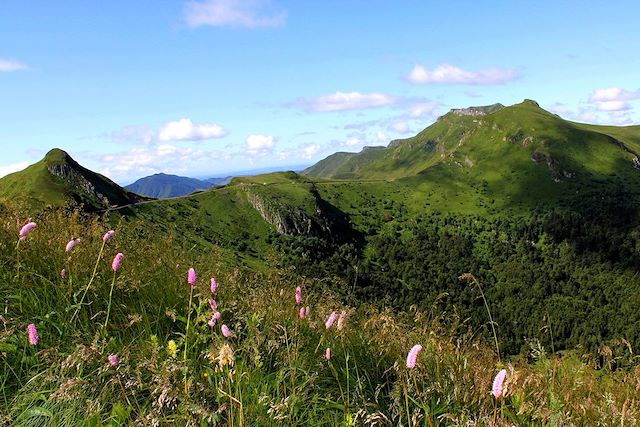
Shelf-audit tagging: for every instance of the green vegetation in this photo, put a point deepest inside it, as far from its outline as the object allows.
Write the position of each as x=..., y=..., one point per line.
x=164, y=186
x=58, y=179
x=272, y=370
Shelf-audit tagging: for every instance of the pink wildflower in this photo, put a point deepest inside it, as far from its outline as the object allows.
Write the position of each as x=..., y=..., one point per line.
x=327, y=353
x=63, y=273
x=330, y=320
x=225, y=331
x=298, y=295
x=33, y=334
x=301, y=313
x=107, y=235
x=498, y=383
x=214, y=285
x=413, y=356
x=213, y=304
x=307, y=311
x=115, y=265
x=26, y=229
x=71, y=244
x=191, y=277
x=113, y=360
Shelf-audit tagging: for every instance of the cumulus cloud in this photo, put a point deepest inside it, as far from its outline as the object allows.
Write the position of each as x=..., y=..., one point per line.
x=15, y=167
x=421, y=109
x=186, y=130
x=613, y=99
x=259, y=145
x=7, y=65
x=149, y=160
x=450, y=74
x=342, y=101
x=233, y=13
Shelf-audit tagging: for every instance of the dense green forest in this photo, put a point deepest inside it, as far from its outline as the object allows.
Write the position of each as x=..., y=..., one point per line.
x=568, y=277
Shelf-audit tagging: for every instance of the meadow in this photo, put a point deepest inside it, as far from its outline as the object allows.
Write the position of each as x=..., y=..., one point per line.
x=138, y=342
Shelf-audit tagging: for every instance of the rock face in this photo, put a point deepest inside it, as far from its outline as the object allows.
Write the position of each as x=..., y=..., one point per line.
x=320, y=219
x=477, y=111
x=77, y=181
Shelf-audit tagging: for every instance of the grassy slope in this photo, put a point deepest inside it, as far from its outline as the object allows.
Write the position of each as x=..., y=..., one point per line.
x=36, y=185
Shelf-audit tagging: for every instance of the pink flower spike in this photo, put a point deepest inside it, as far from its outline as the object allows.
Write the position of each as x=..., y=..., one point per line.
x=330, y=320
x=412, y=357
x=327, y=354
x=113, y=360
x=216, y=315
x=225, y=331
x=26, y=229
x=191, y=277
x=341, y=319
x=301, y=313
x=213, y=304
x=107, y=235
x=71, y=244
x=498, y=383
x=214, y=285
x=298, y=295
x=33, y=334
x=63, y=273
x=115, y=265
x=307, y=311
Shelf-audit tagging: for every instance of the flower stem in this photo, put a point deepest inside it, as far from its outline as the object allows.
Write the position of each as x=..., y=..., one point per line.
x=93, y=275
x=186, y=339
x=113, y=282
x=495, y=336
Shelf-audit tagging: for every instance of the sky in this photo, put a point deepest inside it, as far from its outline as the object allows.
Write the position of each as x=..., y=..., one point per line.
x=209, y=87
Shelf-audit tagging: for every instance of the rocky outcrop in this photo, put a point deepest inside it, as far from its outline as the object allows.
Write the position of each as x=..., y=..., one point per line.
x=477, y=111
x=77, y=181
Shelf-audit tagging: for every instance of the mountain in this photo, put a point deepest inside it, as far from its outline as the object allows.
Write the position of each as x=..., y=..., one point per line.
x=58, y=179
x=164, y=186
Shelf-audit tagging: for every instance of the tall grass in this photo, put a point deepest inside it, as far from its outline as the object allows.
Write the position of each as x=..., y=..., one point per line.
x=273, y=370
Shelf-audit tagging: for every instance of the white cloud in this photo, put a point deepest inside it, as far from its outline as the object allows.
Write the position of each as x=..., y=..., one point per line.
x=15, y=167
x=613, y=94
x=259, y=145
x=341, y=101
x=450, y=74
x=422, y=109
x=399, y=127
x=233, y=13
x=150, y=160
x=7, y=65
x=352, y=142
x=186, y=130
x=310, y=150
x=613, y=106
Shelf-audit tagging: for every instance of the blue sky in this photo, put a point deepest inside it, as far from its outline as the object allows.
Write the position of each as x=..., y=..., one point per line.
x=208, y=87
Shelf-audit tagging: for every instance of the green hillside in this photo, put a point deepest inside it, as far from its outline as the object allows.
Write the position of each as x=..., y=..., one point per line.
x=58, y=179
x=163, y=185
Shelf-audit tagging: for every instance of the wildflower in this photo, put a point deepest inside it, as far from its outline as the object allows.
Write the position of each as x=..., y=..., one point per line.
x=107, y=235
x=172, y=348
x=213, y=304
x=225, y=356
x=214, y=285
x=113, y=360
x=191, y=277
x=63, y=273
x=298, y=295
x=71, y=244
x=225, y=331
x=413, y=356
x=215, y=316
x=281, y=292
x=341, y=320
x=330, y=320
x=33, y=334
x=327, y=354
x=115, y=265
x=498, y=383
x=26, y=229
x=301, y=313
x=307, y=311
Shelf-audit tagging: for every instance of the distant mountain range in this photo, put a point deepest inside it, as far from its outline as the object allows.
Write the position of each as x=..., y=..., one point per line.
x=165, y=186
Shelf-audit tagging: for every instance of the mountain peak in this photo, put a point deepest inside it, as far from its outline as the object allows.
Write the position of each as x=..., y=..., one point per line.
x=477, y=111
x=56, y=155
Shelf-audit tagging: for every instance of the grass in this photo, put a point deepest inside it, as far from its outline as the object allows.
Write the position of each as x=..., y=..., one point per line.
x=272, y=371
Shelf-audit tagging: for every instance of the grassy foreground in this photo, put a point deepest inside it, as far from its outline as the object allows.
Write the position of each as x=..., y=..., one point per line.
x=136, y=352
